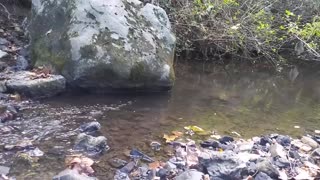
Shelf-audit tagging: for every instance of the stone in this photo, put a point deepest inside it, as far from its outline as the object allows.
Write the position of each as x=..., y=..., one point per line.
x=301, y=145
x=277, y=150
x=156, y=146
x=23, y=83
x=20, y=145
x=210, y=144
x=4, y=170
x=69, y=174
x=4, y=42
x=262, y=176
x=265, y=166
x=136, y=154
x=3, y=87
x=21, y=63
x=226, y=139
x=3, y=54
x=309, y=141
x=90, y=127
x=283, y=140
x=128, y=168
x=117, y=163
x=191, y=174
x=103, y=46
x=223, y=165
x=92, y=146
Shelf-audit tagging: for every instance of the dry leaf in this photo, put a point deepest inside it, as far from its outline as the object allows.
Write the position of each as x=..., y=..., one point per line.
x=154, y=165
x=169, y=138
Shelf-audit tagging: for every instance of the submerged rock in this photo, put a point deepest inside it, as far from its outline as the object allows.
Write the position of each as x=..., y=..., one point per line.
x=90, y=128
x=71, y=174
x=104, y=45
x=136, y=154
x=24, y=83
x=91, y=145
x=190, y=175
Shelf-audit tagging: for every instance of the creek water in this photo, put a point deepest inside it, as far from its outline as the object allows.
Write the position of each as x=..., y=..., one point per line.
x=249, y=102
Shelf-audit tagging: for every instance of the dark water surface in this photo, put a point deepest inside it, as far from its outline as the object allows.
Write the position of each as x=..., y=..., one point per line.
x=248, y=102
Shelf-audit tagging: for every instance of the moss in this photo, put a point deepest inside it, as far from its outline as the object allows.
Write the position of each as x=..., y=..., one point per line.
x=137, y=72
x=43, y=56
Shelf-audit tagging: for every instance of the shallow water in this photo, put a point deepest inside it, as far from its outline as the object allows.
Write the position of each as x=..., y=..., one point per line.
x=248, y=102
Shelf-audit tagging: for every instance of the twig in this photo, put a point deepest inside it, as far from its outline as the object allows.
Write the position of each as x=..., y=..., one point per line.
x=314, y=52
x=6, y=10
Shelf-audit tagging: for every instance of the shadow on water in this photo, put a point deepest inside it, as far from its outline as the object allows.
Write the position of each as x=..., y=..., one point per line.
x=247, y=101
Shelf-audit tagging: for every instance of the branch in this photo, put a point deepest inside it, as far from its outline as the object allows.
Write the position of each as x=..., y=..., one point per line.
x=314, y=52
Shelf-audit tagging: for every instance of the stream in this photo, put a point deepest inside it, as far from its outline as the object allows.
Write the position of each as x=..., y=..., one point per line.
x=240, y=100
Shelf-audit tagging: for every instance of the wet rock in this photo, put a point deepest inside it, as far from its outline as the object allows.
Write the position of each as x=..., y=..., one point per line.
x=309, y=141
x=136, y=154
x=21, y=145
x=91, y=145
x=223, y=166
x=4, y=170
x=156, y=146
x=90, y=128
x=128, y=168
x=3, y=54
x=70, y=174
x=162, y=173
x=23, y=83
x=190, y=175
x=226, y=139
x=121, y=176
x=265, y=166
x=262, y=176
x=210, y=144
x=117, y=163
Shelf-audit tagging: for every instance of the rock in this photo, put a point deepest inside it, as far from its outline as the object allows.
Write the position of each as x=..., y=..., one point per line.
x=162, y=173
x=210, y=144
x=69, y=174
x=21, y=145
x=136, y=154
x=190, y=175
x=21, y=63
x=4, y=170
x=265, y=140
x=23, y=83
x=281, y=162
x=226, y=139
x=128, y=168
x=91, y=145
x=117, y=163
x=262, y=176
x=277, y=150
x=4, y=42
x=3, y=54
x=102, y=45
x=121, y=176
x=265, y=166
x=283, y=140
x=223, y=166
x=301, y=145
x=35, y=152
x=90, y=127
x=156, y=146
x=5, y=130
x=309, y=141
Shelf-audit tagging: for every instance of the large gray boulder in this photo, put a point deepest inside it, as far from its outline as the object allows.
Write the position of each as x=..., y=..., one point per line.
x=102, y=45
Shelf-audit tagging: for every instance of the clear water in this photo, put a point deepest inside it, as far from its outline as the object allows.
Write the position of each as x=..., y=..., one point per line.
x=239, y=99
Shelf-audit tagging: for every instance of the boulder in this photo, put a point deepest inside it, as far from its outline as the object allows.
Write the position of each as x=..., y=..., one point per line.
x=104, y=46
x=90, y=145
x=25, y=82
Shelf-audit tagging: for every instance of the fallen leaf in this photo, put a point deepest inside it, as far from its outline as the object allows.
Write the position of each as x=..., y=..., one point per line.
x=154, y=165
x=169, y=138
x=177, y=133
x=195, y=129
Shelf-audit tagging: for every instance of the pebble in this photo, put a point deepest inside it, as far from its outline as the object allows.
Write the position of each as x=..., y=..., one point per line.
x=301, y=145
x=309, y=141
x=3, y=54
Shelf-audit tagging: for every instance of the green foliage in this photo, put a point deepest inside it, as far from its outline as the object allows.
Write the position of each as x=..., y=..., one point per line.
x=252, y=29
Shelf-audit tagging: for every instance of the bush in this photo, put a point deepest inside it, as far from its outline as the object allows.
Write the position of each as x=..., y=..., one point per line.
x=248, y=29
